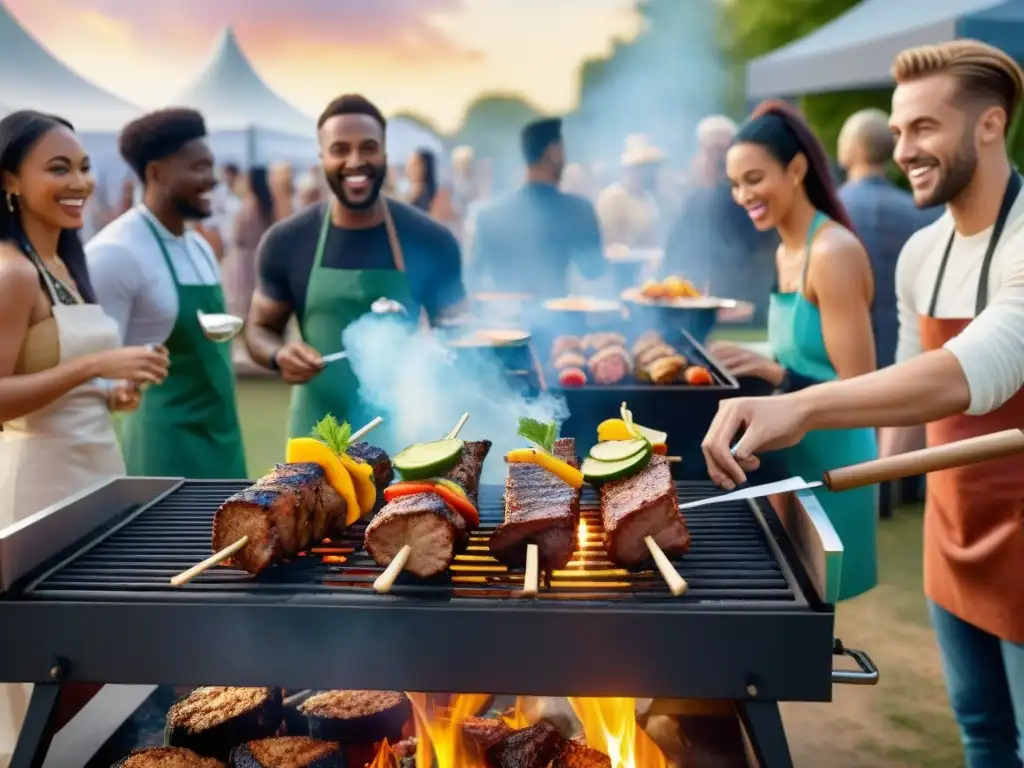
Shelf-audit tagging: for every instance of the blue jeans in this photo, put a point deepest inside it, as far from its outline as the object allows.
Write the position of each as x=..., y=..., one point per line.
x=985, y=680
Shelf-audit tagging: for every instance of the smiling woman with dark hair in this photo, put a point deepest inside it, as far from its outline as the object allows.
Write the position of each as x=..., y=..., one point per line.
x=819, y=318
x=56, y=344
x=154, y=276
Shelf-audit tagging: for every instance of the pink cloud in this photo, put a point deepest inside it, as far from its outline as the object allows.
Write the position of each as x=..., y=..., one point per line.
x=403, y=27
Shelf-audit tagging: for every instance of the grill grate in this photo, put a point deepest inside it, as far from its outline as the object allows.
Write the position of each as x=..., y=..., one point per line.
x=732, y=563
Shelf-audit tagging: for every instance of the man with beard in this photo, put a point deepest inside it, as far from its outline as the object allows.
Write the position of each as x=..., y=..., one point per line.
x=153, y=274
x=526, y=242
x=327, y=264
x=960, y=369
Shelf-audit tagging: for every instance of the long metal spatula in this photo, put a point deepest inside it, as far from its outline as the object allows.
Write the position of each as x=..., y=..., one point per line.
x=997, y=445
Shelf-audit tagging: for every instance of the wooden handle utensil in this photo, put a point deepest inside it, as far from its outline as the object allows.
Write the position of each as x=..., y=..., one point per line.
x=997, y=445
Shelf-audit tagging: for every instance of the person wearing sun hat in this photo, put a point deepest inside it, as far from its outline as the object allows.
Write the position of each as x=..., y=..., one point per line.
x=627, y=209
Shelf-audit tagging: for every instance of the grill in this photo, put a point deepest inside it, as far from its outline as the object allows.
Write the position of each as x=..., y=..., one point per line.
x=733, y=562
x=751, y=628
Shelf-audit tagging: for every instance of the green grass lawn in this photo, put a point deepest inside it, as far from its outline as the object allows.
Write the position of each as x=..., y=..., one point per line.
x=904, y=721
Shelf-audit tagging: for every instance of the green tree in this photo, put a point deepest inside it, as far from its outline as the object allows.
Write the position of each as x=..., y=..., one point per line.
x=492, y=126
x=753, y=28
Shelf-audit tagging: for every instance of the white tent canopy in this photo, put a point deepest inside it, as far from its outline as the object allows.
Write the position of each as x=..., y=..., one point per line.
x=249, y=122
x=856, y=49
x=33, y=78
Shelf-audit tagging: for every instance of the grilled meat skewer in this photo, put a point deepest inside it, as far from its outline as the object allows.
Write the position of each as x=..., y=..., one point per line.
x=434, y=532
x=282, y=514
x=540, y=509
x=644, y=504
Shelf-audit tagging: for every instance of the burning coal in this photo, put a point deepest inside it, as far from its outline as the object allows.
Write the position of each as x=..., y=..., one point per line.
x=411, y=380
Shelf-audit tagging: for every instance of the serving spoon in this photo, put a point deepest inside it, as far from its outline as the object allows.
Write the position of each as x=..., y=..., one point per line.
x=219, y=327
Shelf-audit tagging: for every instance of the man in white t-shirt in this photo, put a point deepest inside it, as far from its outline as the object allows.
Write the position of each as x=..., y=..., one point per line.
x=155, y=276
x=960, y=369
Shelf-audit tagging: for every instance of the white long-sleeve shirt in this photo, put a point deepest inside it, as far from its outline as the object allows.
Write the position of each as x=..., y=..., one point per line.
x=991, y=349
x=131, y=278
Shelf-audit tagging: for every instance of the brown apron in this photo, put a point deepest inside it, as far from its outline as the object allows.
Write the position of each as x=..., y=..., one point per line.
x=974, y=516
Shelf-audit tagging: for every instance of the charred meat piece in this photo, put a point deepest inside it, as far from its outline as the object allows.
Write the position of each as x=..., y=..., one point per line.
x=540, y=509
x=654, y=352
x=577, y=755
x=666, y=370
x=642, y=505
x=282, y=514
x=357, y=717
x=646, y=340
x=167, y=757
x=470, y=465
x=434, y=531
x=533, y=747
x=287, y=752
x=212, y=720
x=481, y=733
x=383, y=471
x=610, y=366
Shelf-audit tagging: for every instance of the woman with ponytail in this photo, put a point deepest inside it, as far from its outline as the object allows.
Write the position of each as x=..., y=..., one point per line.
x=819, y=318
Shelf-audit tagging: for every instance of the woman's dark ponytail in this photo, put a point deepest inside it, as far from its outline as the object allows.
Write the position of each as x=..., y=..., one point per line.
x=782, y=130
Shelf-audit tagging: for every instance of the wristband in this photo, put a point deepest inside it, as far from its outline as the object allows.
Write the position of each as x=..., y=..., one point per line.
x=273, y=361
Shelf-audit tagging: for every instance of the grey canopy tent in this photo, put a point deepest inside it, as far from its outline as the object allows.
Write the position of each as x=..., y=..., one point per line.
x=856, y=49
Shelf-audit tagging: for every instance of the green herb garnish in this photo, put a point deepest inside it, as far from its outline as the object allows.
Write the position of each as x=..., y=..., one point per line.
x=336, y=435
x=540, y=434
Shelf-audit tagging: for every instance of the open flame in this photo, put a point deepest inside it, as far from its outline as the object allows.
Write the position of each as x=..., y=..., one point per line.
x=608, y=725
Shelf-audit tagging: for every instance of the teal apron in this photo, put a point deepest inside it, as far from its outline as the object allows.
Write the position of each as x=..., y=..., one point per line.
x=794, y=332
x=334, y=299
x=188, y=426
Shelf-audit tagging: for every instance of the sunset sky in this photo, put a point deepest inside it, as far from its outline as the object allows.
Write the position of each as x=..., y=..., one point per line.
x=429, y=56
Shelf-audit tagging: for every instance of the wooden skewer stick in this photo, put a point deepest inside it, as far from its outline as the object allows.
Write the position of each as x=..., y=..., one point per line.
x=186, y=576
x=676, y=584
x=360, y=434
x=674, y=459
x=386, y=580
x=218, y=557
x=458, y=427
x=531, y=582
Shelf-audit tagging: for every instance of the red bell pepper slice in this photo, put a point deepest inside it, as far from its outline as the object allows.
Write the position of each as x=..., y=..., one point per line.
x=454, y=501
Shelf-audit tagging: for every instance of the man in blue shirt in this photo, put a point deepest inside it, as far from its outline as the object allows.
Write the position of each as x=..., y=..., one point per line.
x=884, y=216
x=526, y=242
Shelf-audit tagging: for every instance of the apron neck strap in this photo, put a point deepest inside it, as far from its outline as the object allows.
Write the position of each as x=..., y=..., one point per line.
x=389, y=227
x=1013, y=187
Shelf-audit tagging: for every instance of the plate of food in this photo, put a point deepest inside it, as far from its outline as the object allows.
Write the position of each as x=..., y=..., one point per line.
x=493, y=338
x=673, y=292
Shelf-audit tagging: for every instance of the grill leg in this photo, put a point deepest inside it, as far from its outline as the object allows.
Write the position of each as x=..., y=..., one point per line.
x=763, y=723
x=37, y=730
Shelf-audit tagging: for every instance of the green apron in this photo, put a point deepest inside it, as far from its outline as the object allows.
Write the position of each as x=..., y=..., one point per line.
x=188, y=426
x=334, y=299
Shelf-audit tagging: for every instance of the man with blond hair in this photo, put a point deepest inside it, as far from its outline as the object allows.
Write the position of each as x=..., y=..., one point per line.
x=960, y=369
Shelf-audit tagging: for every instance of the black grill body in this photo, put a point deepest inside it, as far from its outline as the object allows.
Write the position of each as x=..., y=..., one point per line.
x=749, y=629
x=107, y=613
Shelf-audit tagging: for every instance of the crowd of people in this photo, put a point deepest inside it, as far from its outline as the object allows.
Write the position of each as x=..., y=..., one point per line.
x=883, y=309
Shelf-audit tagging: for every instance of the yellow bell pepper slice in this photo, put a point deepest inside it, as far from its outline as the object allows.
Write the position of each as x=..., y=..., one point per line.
x=309, y=449
x=560, y=469
x=613, y=429
x=362, y=479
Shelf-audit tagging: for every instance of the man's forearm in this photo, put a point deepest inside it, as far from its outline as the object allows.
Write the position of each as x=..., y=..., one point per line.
x=928, y=387
x=263, y=343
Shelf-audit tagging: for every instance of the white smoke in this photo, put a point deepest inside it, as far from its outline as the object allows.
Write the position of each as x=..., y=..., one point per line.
x=411, y=380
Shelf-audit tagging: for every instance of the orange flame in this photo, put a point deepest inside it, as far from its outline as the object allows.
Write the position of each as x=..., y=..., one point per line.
x=609, y=726
x=385, y=757
x=438, y=737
